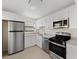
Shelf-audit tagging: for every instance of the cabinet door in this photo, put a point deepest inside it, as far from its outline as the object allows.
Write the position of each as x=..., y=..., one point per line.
x=71, y=52
x=30, y=40
x=39, y=41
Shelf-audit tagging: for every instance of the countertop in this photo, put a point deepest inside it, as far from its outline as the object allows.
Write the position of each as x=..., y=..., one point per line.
x=72, y=42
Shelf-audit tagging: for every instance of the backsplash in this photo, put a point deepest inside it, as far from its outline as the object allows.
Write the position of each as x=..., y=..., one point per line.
x=73, y=32
x=48, y=31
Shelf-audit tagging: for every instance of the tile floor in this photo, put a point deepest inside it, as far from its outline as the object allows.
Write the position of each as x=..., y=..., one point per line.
x=30, y=53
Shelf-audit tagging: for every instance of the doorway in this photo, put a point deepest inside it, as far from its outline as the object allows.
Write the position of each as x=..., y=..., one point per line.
x=4, y=37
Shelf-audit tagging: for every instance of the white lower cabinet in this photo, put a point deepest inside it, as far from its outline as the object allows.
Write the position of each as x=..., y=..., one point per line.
x=39, y=40
x=30, y=40
x=71, y=52
x=33, y=39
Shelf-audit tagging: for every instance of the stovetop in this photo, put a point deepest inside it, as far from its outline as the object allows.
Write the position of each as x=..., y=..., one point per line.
x=61, y=39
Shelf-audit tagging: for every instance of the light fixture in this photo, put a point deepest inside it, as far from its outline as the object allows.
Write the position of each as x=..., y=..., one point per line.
x=35, y=4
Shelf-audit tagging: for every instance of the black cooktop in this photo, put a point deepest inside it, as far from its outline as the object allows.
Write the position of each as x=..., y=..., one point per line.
x=59, y=39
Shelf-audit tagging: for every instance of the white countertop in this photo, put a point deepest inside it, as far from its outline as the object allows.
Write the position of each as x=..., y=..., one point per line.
x=72, y=42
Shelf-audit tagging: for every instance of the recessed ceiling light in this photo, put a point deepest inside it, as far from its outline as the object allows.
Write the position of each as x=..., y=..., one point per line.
x=35, y=4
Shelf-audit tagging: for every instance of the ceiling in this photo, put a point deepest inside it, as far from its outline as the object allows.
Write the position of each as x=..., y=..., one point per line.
x=47, y=7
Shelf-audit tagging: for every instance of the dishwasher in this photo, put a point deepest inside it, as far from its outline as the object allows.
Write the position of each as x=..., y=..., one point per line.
x=45, y=44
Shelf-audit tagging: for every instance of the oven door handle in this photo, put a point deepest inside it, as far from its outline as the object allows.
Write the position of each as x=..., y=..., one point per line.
x=58, y=44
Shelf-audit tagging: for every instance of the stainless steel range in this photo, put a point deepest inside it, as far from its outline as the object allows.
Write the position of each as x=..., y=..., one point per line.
x=57, y=45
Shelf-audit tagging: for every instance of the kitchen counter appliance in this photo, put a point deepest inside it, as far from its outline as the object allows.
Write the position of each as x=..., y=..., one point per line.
x=57, y=45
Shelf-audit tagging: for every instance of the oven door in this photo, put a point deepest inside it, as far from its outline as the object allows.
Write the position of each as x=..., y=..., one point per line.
x=61, y=51
x=54, y=56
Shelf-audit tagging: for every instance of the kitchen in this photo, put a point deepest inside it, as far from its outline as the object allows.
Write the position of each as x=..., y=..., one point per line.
x=38, y=29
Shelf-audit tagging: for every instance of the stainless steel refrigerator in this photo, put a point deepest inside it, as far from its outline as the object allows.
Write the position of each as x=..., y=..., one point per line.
x=15, y=36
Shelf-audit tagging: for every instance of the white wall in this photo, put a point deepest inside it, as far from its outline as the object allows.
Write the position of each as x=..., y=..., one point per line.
x=28, y=22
